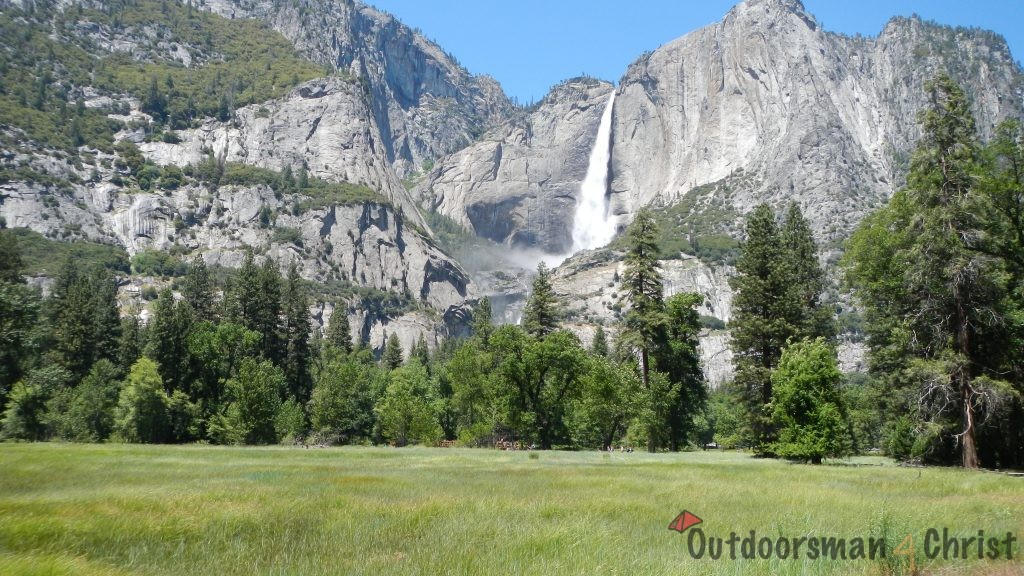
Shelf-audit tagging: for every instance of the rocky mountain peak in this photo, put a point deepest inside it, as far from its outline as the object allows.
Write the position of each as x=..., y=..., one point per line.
x=426, y=104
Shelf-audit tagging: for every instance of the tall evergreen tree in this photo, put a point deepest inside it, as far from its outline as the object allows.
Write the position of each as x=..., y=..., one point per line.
x=643, y=325
x=777, y=291
x=19, y=314
x=542, y=308
x=84, y=317
x=296, y=331
x=813, y=319
x=167, y=341
x=392, y=357
x=421, y=352
x=933, y=294
x=599, y=347
x=339, y=330
x=130, y=346
x=197, y=289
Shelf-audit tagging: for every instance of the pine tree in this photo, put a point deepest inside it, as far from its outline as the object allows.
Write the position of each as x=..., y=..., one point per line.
x=806, y=276
x=421, y=352
x=254, y=301
x=19, y=315
x=339, y=330
x=10, y=258
x=778, y=288
x=935, y=299
x=392, y=357
x=167, y=341
x=296, y=331
x=84, y=317
x=599, y=347
x=483, y=325
x=644, y=323
x=197, y=289
x=130, y=346
x=542, y=308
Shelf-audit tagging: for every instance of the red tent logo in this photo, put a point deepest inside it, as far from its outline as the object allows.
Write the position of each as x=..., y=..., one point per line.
x=684, y=521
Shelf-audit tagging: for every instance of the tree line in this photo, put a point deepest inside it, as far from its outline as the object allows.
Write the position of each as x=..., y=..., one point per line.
x=241, y=364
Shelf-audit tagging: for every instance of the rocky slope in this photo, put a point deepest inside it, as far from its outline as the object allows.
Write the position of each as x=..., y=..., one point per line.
x=425, y=103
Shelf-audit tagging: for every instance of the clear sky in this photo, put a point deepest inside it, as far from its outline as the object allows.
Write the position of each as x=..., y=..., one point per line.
x=530, y=45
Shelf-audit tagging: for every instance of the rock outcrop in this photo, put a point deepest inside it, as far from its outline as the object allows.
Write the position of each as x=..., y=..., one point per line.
x=425, y=103
x=325, y=125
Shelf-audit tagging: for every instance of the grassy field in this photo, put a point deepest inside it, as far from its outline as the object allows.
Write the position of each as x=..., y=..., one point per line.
x=118, y=509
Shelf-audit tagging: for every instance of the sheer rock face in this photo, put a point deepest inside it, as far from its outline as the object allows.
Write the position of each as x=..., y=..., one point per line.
x=324, y=125
x=520, y=183
x=824, y=120
x=426, y=104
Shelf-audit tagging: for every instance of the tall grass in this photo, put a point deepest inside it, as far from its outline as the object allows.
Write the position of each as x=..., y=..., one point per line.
x=115, y=509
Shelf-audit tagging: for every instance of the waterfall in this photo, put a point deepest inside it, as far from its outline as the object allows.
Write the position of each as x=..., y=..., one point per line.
x=593, y=226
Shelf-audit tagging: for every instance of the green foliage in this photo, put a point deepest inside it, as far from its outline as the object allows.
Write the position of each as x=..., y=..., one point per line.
x=607, y=402
x=642, y=289
x=938, y=271
x=25, y=415
x=41, y=255
x=290, y=423
x=86, y=413
x=295, y=333
x=84, y=317
x=407, y=412
x=167, y=340
x=536, y=381
x=698, y=224
x=343, y=400
x=19, y=317
x=256, y=398
x=777, y=287
x=151, y=262
x=197, y=289
x=141, y=414
x=807, y=406
x=286, y=235
x=599, y=347
x=339, y=330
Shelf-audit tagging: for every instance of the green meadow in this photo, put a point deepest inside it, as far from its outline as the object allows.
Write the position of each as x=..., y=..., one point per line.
x=124, y=509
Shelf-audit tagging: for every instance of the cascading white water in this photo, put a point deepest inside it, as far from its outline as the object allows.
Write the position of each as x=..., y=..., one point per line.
x=592, y=225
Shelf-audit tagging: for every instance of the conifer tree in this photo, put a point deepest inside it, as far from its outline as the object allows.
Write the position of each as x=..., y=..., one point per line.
x=777, y=297
x=599, y=347
x=392, y=357
x=339, y=330
x=197, y=289
x=643, y=325
x=936, y=298
x=167, y=341
x=542, y=308
x=482, y=323
x=296, y=331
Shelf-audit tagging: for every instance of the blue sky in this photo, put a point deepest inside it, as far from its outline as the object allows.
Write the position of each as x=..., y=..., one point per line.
x=529, y=45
